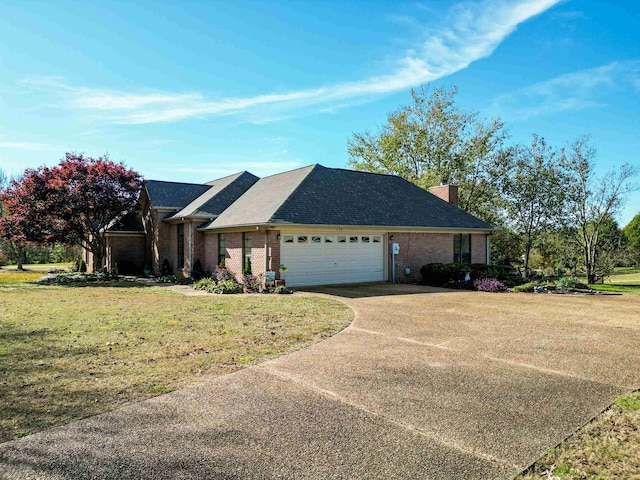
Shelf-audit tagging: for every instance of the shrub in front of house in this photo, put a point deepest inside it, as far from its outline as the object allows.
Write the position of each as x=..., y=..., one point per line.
x=227, y=286
x=205, y=284
x=526, y=287
x=252, y=283
x=565, y=283
x=165, y=268
x=492, y=285
x=76, y=277
x=460, y=285
x=223, y=274
x=282, y=290
x=198, y=271
x=223, y=287
x=441, y=274
x=175, y=279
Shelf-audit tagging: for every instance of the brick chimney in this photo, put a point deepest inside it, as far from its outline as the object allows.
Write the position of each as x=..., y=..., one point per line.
x=448, y=193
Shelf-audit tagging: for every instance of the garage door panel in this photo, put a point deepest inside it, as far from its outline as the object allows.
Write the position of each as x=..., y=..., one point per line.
x=332, y=262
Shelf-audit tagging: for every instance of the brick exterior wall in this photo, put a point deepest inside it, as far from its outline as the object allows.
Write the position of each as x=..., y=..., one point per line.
x=273, y=252
x=258, y=253
x=416, y=249
x=209, y=258
x=158, y=237
x=234, y=260
x=171, y=245
x=478, y=248
x=126, y=253
x=198, y=246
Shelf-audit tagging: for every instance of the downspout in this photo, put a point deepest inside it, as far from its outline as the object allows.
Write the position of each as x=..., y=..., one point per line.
x=266, y=252
x=190, y=248
x=488, y=248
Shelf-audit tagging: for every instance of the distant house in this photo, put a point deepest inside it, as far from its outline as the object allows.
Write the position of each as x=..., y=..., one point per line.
x=326, y=225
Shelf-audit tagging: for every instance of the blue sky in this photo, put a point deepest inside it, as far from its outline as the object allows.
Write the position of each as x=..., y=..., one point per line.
x=191, y=91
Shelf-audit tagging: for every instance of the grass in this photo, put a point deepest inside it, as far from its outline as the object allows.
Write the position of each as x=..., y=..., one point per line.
x=623, y=281
x=39, y=267
x=606, y=448
x=69, y=352
x=625, y=270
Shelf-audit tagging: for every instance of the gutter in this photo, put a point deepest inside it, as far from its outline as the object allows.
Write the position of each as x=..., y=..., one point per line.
x=394, y=228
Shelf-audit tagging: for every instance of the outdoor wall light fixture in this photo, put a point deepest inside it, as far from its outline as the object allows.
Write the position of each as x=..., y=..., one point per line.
x=390, y=237
x=278, y=236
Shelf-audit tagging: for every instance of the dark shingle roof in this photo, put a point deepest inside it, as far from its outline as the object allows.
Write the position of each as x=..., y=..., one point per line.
x=221, y=193
x=317, y=195
x=173, y=194
x=130, y=222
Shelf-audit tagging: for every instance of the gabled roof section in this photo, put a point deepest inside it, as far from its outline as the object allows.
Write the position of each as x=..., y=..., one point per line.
x=261, y=202
x=221, y=193
x=173, y=195
x=317, y=195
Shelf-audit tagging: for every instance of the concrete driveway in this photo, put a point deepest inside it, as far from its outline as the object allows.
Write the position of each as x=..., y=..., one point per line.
x=423, y=384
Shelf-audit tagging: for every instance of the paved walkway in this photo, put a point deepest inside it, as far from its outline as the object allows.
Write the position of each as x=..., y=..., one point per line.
x=423, y=384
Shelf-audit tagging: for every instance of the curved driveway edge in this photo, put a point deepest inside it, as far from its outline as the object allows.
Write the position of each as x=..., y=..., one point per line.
x=423, y=384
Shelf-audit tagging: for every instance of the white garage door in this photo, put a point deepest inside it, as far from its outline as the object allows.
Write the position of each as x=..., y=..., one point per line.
x=321, y=259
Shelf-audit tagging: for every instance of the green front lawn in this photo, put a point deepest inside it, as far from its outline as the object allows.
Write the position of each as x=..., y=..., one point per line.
x=67, y=352
x=608, y=448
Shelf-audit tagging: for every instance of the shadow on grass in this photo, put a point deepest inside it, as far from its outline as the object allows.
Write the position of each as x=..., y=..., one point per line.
x=108, y=284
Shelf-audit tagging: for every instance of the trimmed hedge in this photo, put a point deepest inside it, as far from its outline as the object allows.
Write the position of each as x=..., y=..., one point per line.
x=441, y=274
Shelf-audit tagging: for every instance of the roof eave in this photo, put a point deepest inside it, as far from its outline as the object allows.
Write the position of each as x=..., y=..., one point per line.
x=394, y=228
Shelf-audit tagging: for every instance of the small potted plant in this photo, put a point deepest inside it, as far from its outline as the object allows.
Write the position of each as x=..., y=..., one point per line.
x=282, y=269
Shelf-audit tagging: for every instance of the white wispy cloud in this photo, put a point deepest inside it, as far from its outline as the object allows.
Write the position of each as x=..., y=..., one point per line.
x=34, y=146
x=469, y=32
x=261, y=168
x=571, y=91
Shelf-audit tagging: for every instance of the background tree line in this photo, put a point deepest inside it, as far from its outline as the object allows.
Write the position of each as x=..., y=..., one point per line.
x=551, y=207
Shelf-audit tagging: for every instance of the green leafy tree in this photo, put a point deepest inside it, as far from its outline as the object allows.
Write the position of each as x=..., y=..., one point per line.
x=433, y=141
x=632, y=232
x=533, y=194
x=592, y=203
x=505, y=247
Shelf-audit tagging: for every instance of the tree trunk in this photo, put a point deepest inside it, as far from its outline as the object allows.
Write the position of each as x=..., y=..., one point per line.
x=527, y=253
x=97, y=261
x=18, y=250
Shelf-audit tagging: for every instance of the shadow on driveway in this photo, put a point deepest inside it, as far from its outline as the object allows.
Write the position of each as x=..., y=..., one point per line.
x=368, y=290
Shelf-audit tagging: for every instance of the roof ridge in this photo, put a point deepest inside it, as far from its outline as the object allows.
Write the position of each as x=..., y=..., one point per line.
x=365, y=171
x=313, y=168
x=293, y=170
x=237, y=174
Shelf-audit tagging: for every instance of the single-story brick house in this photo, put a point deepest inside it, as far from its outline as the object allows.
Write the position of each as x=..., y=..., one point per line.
x=326, y=225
